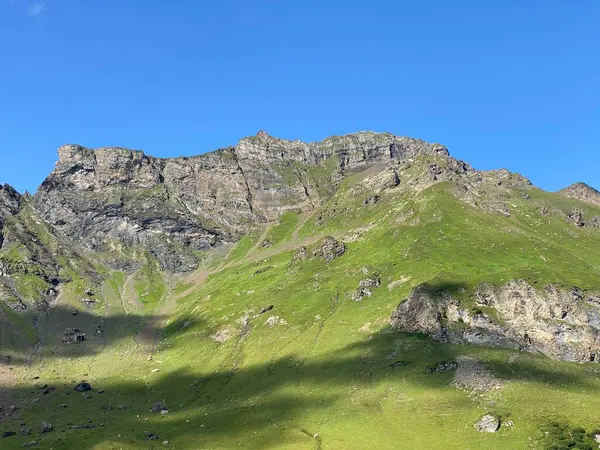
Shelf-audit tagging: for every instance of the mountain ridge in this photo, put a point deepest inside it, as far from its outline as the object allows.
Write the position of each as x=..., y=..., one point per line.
x=208, y=199
x=348, y=276
x=582, y=191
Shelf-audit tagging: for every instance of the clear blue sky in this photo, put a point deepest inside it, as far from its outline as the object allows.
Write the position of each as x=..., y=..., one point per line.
x=511, y=83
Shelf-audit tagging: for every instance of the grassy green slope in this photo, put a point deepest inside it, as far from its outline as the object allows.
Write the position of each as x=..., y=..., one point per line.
x=317, y=370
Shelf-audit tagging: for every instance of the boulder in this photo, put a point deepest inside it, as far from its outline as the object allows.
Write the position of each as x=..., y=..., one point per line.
x=300, y=255
x=371, y=200
x=83, y=387
x=275, y=320
x=158, y=407
x=576, y=218
x=73, y=336
x=46, y=427
x=488, y=424
x=443, y=366
x=366, y=287
x=393, y=181
x=8, y=434
x=328, y=249
x=82, y=426
x=151, y=436
x=265, y=309
x=594, y=223
x=88, y=301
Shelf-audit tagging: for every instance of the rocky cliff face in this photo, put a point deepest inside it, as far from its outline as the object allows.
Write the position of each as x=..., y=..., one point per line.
x=10, y=203
x=111, y=197
x=25, y=255
x=10, y=200
x=561, y=324
x=121, y=205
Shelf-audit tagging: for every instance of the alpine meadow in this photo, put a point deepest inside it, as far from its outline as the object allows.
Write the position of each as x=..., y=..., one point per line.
x=366, y=291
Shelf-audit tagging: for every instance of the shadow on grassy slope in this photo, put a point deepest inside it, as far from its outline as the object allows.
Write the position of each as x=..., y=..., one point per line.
x=101, y=332
x=265, y=403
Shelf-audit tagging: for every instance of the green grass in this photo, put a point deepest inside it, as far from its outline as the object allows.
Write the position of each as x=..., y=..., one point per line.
x=243, y=247
x=284, y=229
x=149, y=286
x=319, y=374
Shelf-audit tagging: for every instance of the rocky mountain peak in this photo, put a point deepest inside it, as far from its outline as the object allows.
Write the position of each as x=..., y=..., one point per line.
x=175, y=206
x=10, y=199
x=582, y=191
x=84, y=168
x=71, y=152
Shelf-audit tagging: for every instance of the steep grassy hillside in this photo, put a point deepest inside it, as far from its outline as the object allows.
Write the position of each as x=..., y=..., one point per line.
x=284, y=341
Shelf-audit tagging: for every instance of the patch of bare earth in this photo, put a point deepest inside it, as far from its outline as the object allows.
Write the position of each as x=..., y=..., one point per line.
x=400, y=282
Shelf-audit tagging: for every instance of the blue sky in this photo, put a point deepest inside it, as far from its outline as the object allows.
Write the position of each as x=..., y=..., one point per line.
x=512, y=83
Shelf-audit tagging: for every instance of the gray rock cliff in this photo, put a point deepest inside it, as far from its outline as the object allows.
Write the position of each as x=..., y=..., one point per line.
x=110, y=197
x=559, y=323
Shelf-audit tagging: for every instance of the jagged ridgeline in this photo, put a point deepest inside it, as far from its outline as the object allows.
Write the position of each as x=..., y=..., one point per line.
x=174, y=207
x=272, y=285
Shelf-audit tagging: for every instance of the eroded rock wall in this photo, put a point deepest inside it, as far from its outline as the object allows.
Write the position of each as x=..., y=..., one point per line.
x=559, y=323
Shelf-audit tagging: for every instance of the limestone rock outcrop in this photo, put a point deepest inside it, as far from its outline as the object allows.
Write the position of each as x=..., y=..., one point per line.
x=559, y=323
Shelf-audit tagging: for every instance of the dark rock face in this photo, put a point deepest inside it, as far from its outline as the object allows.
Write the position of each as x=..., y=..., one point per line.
x=114, y=196
x=21, y=228
x=557, y=323
x=83, y=387
x=576, y=218
x=10, y=203
x=10, y=200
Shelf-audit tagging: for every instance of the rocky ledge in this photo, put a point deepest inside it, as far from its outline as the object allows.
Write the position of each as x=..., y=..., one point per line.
x=559, y=323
